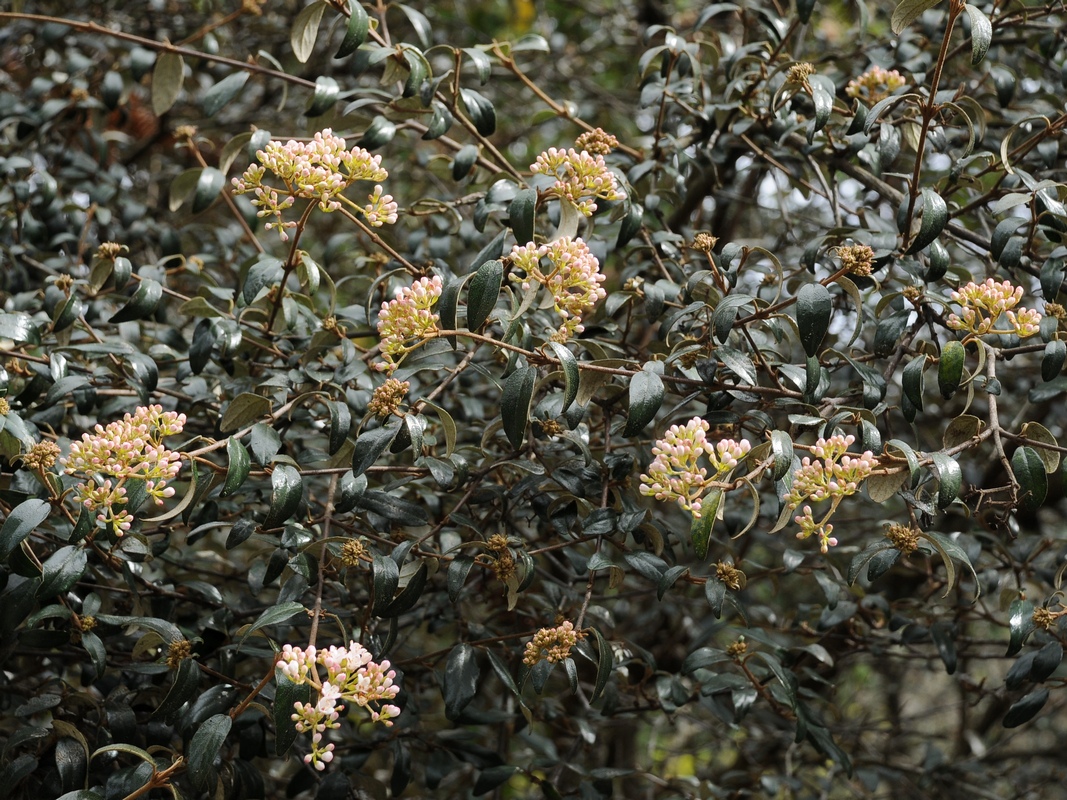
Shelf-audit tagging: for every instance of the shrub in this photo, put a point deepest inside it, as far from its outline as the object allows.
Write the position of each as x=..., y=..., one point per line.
x=585, y=399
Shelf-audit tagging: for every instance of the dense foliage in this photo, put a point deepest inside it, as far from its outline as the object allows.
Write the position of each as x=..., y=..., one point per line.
x=576, y=399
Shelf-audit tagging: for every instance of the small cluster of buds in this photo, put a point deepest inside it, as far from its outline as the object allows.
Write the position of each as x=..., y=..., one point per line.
x=321, y=169
x=573, y=278
x=131, y=448
x=675, y=472
x=407, y=316
x=597, y=141
x=387, y=398
x=833, y=476
x=799, y=73
x=856, y=259
x=904, y=538
x=983, y=303
x=351, y=676
x=582, y=178
x=551, y=644
x=875, y=84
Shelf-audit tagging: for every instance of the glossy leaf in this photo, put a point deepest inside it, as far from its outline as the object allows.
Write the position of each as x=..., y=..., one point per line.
x=369, y=447
x=981, y=34
x=143, y=303
x=646, y=397
x=571, y=374
x=950, y=368
x=287, y=489
x=204, y=748
x=483, y=293
x=20, y=523
x=521, y=215
x=912, y=381
x=515, y=403
x=208, y=186
x=243, y=410
x=1020, y=624
x=386, y=578
x=460, y=680
x=219, y=96
x=238, y=466
x=326, y=93
x=906, y=12
x=1030, y=472
x=934, y=219
x=356, y=30
x=1025, y=708
x=480, y=110
x=286, y=695
x=950, y=479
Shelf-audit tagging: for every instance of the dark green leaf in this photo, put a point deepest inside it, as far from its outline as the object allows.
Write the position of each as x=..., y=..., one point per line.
x=631, y=223
x=204, y=748
x=369, y=446
x=19, y=328
x=738, y=363
x=287, y=489
x=480, y=110
x=460, y=681
x=238, y=466
x=521, y=215
x=440, y=122
x=1052, y=360
x=906, y=12
x=814, y=306
x=515, y=403
x=950, y=368
x=700, y=530
x=243, y=410
x=605, y=664
x=483, y=293
x=386, y=577
x=356, y=32
x=782, y=448
x=646, y=397
x=409, y=595
x=380, y=132
x=1030, y=472
x=1020, y=624
x=722, y=320
x=286, y=695
x=822, y=95
x=981, y=34
x=934, y=219
x=458, y=571
x=185, y=685
x=322, y=100
x=1026, y=708
x=950, y=479
x=273, y=616
x=571, y=375
x=216, y=98
x=1046, y=661
x=23, y=518
x=143, y=303
x=493, y=777
x=912, y=381
x=340, y=424
x=62, y=570
x=396, y=510
x=464, y=161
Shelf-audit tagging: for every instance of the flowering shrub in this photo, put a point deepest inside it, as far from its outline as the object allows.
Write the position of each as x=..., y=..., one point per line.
x=688, y=459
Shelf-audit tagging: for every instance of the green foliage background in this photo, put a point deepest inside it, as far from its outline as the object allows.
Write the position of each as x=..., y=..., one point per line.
x=142, y=665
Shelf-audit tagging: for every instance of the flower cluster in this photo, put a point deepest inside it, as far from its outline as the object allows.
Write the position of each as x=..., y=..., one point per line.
x=551, y=644
x=573, y=278
x=675, y=473
x=875, y=84
x=833, y=476
x=407, y=316
x=581, y=177
x=351, y=676
x=387, y=398
x=131, y=448
x=856, y=259
x=597, y=141
x=321, y=169
x=983, y=303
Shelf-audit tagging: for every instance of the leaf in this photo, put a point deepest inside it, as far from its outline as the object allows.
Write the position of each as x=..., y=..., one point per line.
x=739, y=364
x=286, y=695
x=464, y=162
x=521, y=215
x=1030, y=472
x=287, y=489
x=906, y=12
x=62, y=570
x=440, y=121
x=1052, y=360
x=460, y=681
x=950, y=552
x=725, y=315
x=216, y=98
x=386, y=577
x=492, y=778
x=934, y=219
x=458, y=571
x=814, y=306
x=19, y=328
x=167, y=78
x=981, y=34
x=700, y=531
x=410, y=594
x=950, y=479
x=1039, y=434
x=782, y=448
x=912, y=381
x=480, y=110
x=306, y=30
x=20, y=523
x=1025, y=708
x=243, y=410
x=515, y=403
x=204, y=748
x=646, y=397
x=950, y=368
x=483, y=293
x=864, y=557
x=142, y=304
x=394, y=509
x=208, y=186
x=356, y=32
x=571, y=374
x=322, y=100
x=238, y=466
x=1020, y=624
x=272, y=616
x=380, y=132
x=605, y=664
x=822, y=95
x=186, y=683
x=1046, y=661
x=369, y=446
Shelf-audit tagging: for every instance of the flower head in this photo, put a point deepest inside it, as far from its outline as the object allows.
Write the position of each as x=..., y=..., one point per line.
x=981, y=305
x=581, y=177
x=676, y=474
x=875, y=84
x=572, y=276
x=407, y=316
x=320, y=170
x=551, y=644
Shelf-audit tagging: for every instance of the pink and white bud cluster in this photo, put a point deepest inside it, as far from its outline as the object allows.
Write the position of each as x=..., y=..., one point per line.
x=551, y=644
x=675, y=472
x=875, y=84
x=407, y=316
x=351, y=676
x=128, y=448
x=983, y=303
x=581, y=178
x=573, y=278
x=835, y=476
x=321, y=169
